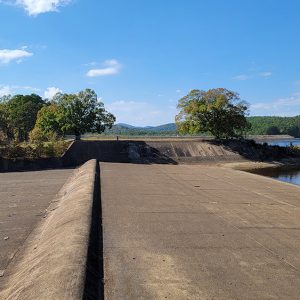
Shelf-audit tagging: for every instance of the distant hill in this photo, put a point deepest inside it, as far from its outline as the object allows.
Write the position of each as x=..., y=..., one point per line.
x=260, y=126
x=126, y=129
x=124, y=125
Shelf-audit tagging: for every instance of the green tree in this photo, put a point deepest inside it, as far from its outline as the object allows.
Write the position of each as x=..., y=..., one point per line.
x=294, y=131
x=75, y=114
x=217, y=111
x=273, y=130
x=284, y=125
x=50, y=119
x=18, y=115
x=5, y=130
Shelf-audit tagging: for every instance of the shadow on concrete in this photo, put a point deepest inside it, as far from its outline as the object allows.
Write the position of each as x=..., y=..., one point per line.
x=157, y=152
x=241, y=148
x=138, y=152
x=94, y=287
x=251, y=150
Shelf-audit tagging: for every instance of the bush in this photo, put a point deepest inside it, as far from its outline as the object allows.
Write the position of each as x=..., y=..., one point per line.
x=13, y=150
x=34, y=150
x=38, y=136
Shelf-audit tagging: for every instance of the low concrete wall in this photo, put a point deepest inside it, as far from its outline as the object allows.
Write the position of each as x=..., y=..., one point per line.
x=171, y=152
x=13, y=165
x=147, y=151
x=53, y=262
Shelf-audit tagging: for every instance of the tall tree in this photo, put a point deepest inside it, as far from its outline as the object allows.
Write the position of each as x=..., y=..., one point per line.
x=18, y=115
x=5, y=129
x=75, y=114
x=217, y=111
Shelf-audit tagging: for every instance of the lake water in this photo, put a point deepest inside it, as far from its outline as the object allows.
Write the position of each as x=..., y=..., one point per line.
x=290, y=176
x=285, y=142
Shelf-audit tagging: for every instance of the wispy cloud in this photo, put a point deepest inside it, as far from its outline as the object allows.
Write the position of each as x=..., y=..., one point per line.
x=36, y=7
x=51, y=92
x=281, y=107
x=110, y=67
x=9, y=55
x=296, y=82
x=13, y=89
x=265, y=74
x=241, y=77
x=142, y=113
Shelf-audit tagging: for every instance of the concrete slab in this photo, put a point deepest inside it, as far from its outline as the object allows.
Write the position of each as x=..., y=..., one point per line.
x=61, y=258
x=24, y=197
x=198, y=232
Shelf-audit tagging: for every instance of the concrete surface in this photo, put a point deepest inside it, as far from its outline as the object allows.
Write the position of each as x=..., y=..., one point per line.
x=24, y=197
x=53, y=262
x=198, y=232
x=169, y=151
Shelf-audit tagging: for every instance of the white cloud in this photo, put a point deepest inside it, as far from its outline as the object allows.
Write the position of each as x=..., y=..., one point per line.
x=241, y=77
x=281, y=107
x=25, y=88
x=6, y=55
x=142, y=113
x=5, y=90
x=110, y=67
x=14, y=89
x=51, y=92
x=178, y=91
x=35, y=7
x=265, y=74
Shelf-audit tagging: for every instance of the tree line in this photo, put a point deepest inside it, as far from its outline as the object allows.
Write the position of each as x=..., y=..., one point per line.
x=275, y=125
x=218, y=112
x=29, y=117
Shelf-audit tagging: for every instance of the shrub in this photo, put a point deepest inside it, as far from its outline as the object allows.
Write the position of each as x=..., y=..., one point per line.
x=38, y=136
x=34, y=150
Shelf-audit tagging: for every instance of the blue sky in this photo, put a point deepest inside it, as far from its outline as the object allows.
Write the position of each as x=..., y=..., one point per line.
x=141, y=56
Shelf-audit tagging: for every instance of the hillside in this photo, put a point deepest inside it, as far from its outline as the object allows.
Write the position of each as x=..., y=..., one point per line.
x=126, y=129
x=260, y=126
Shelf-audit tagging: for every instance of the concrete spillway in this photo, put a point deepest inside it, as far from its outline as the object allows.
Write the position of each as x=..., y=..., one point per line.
x=172, y=152
x=169, y=231
x=198, y=232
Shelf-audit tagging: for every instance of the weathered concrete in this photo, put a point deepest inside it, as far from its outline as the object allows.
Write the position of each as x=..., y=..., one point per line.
x=53, y=262
x=168, y=151
x=198, y=232
x=15, y=165
x=162, y=151
x=24, y=198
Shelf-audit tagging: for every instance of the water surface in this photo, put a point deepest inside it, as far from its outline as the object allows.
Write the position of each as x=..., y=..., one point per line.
x=290, y=175
x=284, y=142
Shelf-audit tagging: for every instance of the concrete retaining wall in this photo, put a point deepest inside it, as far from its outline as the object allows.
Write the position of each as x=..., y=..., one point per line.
x=151, y=152
x=13, y=165
x=138, y=151
x=54, y=261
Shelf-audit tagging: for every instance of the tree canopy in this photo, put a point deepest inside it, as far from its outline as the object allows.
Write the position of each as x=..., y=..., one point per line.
x=219, y=112
x=75, y=114
x=275, y=125
x=18, y=115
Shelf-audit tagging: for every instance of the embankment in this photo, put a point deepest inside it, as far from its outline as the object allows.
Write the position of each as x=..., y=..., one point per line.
x=169, y=151
x=58, y=259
